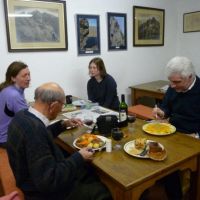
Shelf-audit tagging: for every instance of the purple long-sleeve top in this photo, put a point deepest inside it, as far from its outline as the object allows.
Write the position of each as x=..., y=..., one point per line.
x=11, y=101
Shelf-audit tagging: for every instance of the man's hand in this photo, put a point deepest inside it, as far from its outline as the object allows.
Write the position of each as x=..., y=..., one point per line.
x=158, y=113
x=87, y=153
x=73, y=123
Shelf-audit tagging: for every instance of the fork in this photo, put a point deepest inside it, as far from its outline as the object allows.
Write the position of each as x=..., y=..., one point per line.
x=144, y=152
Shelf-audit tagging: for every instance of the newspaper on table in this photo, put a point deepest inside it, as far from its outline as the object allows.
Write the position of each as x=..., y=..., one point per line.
x=94, y=112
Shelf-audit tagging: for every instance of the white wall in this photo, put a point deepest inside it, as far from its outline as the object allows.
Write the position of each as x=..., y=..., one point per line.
x=133, y=66
x=188, y=43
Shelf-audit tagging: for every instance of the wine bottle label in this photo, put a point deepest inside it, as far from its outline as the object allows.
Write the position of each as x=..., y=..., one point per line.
x=122, y=116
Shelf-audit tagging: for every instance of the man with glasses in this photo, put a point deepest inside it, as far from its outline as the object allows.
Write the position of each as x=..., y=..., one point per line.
x=41, y=170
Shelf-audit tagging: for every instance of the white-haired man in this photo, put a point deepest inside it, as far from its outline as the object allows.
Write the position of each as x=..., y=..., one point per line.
x=181, y=103
x=40, y=169
x=181, y=106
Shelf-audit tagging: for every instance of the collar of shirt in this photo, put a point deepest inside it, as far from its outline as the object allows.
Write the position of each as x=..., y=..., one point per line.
x=190, y=86
x=39, y=115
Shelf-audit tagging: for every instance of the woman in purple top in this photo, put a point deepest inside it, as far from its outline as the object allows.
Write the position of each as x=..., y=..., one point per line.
x=12, y=96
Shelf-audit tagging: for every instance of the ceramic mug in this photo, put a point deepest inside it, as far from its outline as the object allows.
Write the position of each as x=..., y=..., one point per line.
x=68, y=99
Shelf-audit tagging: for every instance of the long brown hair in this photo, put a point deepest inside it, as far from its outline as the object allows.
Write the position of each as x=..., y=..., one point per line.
x=100, y=66
x=13, y=70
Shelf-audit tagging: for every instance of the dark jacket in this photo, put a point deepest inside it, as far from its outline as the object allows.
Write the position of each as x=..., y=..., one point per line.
x=183, y=109
x=40, y=169
x=104, y=92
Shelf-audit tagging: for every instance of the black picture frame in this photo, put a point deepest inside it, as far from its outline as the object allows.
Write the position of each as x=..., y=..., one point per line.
x=117, y=31
x=88, y=34
x=36, y=25
x=148, y=26
x=191, y=22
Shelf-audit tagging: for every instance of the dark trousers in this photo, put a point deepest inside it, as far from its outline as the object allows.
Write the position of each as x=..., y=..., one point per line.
x=172, y=185
x=86, y=186
x=167, y=188
x=89, y=187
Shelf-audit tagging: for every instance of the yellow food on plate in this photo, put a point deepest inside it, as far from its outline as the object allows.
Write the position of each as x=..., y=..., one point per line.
x=89, y=140
x=159, y=128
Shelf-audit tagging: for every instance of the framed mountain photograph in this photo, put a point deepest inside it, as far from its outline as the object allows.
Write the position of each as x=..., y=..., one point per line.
x=36, y=25
x=148, y=26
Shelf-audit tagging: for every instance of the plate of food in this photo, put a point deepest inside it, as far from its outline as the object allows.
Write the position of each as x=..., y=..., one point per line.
x=95, y=142
x=69, y=108
x=143, y=148
x=160, y=129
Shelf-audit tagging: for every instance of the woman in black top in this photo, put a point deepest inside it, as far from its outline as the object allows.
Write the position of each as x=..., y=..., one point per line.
x=102, y=87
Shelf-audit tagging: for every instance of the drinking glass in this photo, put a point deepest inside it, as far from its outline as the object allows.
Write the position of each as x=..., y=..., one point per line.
x=117, y=135
x=88, y=120
x=131, y=120
x=68, y=99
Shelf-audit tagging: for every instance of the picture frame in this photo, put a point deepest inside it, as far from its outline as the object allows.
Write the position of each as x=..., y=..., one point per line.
x=36, y=25
x=191, y=22
x=88, y=34
x=148, y=26
x=117, y=31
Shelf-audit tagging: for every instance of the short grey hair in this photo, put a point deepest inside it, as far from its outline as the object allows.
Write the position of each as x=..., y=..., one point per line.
x=48, y=95
x=180, y=65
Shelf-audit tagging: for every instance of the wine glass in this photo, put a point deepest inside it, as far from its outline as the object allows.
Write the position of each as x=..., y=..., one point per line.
x=88, y=120
x=117, y=135
x=131, y=120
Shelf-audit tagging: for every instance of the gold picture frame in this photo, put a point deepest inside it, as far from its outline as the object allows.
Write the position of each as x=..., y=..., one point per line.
x=36, y=25
x=148, y=26
x=191, y=22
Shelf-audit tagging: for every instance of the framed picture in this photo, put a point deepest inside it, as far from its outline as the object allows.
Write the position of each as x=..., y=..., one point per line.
x=88, y=34
x=117, y=33
x=191, y=22
x=148, y=26
x=36, y=25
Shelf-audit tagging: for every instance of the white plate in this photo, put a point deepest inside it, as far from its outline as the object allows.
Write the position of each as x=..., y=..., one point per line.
x=130, y=149
x=98, y=149
x=171, y=128
x=79, y=103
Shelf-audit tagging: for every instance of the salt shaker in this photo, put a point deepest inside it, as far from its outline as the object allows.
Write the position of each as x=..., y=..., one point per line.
x=108, y=145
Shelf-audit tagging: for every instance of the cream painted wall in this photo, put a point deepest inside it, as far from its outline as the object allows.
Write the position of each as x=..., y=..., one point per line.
x=133, y=66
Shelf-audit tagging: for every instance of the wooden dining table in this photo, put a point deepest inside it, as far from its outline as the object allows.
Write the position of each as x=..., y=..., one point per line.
x=127, y=176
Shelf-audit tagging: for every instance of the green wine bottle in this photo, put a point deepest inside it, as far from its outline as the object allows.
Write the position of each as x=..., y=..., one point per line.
x=123, y=112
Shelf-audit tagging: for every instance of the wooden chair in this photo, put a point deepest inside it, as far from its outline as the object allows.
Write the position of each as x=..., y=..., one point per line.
x=7, y=178
x=141, y=111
